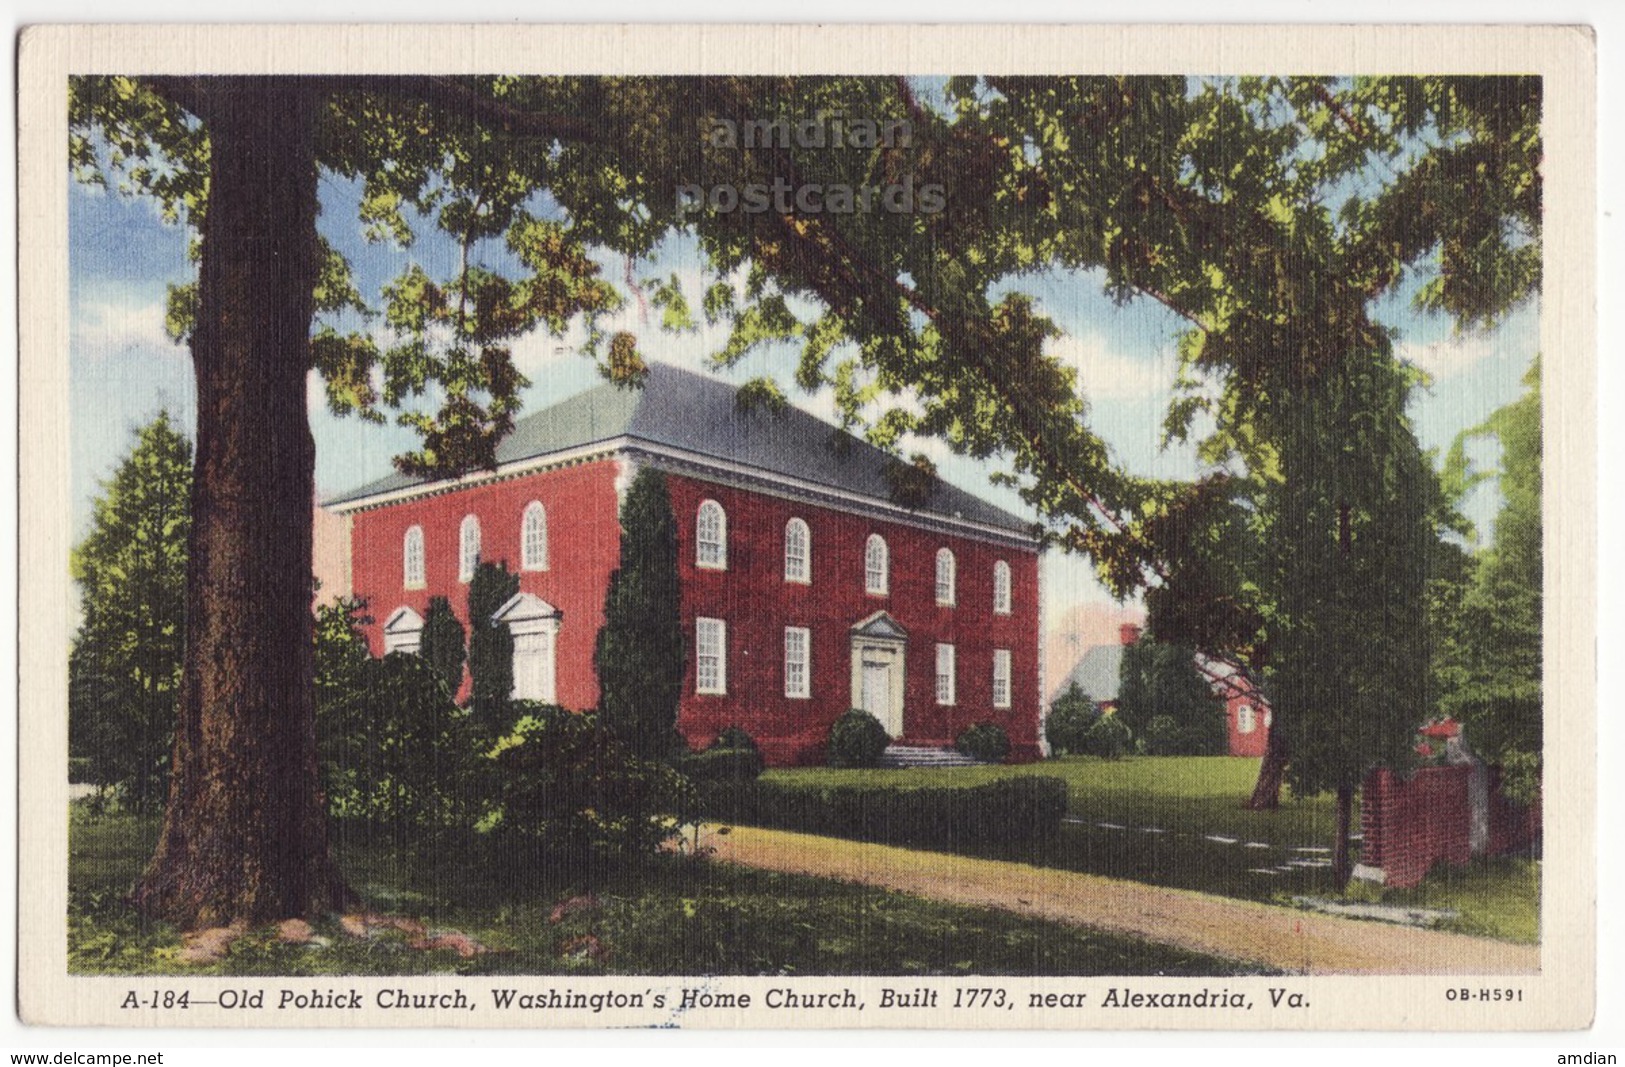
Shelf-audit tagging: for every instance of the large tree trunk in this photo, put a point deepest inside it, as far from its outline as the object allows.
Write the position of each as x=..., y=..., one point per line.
x=1342, y=863
x=1267, y=790
x=245, y=833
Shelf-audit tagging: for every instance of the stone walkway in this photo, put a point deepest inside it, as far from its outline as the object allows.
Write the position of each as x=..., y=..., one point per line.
x=1295, y=941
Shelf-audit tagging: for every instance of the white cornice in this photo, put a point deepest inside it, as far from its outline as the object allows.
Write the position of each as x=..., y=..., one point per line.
x=569, y=457
x=679, y=460
x=792, y=488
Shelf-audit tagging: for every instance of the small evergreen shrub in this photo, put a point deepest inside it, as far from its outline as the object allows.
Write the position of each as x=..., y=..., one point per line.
x=571, y=796
x=1163, y=737
x=1070, y=717
x=732, y=758
x=856, y=740
x=1108, y=738
x=985, y=741
x=396, y=753
x=442, y=645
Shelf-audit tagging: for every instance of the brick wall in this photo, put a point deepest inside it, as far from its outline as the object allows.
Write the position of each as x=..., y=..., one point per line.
x=756, y=602
x=1409, y=825
x=583, y=547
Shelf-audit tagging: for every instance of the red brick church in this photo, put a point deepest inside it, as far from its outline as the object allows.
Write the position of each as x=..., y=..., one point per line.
x=806, y=587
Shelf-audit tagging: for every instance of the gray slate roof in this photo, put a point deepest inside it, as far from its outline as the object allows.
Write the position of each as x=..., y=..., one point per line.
x=680, y=409
x=1096, y=674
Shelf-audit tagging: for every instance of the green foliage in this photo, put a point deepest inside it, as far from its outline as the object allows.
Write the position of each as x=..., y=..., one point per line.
x=342, y=654
x=1162, y=681
x=570, y=795
x=732, y=758
x=396, y=753
x=857, y=739
x=1108, y=738
x=124, y=666
x=1070, y=717
x=640, y=655
x=1351, y=549
x=1490, y=665
x=490, y=646
x=1013, y=810
x=726, y=766
x=441, y=645
x=985, y=741
x=1163, y=737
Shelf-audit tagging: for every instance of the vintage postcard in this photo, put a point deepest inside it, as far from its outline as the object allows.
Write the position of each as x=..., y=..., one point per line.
x=766, y=527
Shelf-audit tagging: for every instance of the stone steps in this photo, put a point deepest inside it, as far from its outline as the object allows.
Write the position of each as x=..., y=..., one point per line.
x=925, y=756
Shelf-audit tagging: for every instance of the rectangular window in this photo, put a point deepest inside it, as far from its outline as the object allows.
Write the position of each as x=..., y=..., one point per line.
x=1001, y=677
x=797, y=641
x=945, y=674
x=710, y=656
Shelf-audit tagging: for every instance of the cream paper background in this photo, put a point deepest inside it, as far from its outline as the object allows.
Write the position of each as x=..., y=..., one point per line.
x=1561, y=997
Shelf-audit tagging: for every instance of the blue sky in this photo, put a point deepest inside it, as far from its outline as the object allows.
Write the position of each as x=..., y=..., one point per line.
x=124, y=369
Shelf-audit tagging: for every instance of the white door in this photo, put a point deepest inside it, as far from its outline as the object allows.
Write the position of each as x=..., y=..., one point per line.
x=533, y=667
x=879, y=696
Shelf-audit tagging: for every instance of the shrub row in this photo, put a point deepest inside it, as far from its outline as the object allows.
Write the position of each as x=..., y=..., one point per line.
x=1017, y=810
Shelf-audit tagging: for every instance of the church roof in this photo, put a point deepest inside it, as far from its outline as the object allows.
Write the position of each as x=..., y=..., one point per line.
x=678, y=411
x=1096, y=674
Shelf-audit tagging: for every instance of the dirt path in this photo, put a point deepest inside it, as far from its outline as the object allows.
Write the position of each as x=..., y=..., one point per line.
x=1295, y=941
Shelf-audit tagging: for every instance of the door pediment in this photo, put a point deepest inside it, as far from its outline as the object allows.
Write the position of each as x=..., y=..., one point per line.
x=880, y=626
x=528, y=613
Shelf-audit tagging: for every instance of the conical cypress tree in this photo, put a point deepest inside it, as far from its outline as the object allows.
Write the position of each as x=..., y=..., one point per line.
x=640, y=654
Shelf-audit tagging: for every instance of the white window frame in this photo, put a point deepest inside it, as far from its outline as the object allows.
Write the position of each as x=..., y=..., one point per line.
x=876, y=566
x=468, y=548
x=945, y=577
x=797, y=567
x=797, y=662
x=712, y=633
x=947, y=694
x=711, y=546
x=1001, y=588
x=413, y=574
x=1001, y=677
x=1246, y=719
x=533, y=537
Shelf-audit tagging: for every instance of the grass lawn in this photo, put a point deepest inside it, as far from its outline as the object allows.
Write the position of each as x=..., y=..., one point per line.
x=1161, y=816
x=674, y=915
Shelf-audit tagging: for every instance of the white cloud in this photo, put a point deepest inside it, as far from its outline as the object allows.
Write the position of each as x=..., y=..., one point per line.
x=1448, y=357
x=108, y=325
x=1516, y=340
x=1106, y=374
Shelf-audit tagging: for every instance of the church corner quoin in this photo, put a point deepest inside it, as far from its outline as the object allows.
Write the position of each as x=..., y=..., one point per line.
x=805, y=589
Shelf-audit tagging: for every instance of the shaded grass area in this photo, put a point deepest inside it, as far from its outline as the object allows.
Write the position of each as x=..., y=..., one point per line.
x=1495, y=896
x=671, y=915
x=1192, y=799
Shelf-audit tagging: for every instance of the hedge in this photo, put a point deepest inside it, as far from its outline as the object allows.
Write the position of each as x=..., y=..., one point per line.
x=1018, y=810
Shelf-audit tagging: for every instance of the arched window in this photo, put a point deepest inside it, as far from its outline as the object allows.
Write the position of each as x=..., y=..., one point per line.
x=533, y=537
x=1001, y=587
x=711, y=537
x=945, y=577
x=412, y=559
x=797, y=552
x=875, y=565
x=468, y=549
